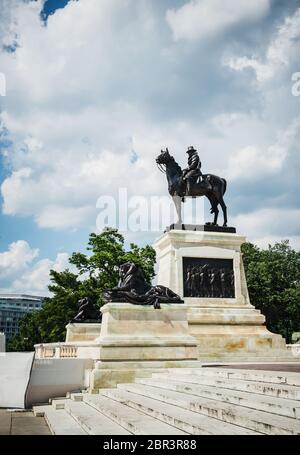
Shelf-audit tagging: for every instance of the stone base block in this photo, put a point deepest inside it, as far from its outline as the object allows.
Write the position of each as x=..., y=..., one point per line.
x=224, y=332
x=136, y=332
x=138, y=340
x=175, y=247
x=224, y=315
x=82, y=331
x=228, y=333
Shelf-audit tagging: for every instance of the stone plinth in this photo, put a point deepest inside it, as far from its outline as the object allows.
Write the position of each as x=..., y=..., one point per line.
x=138, y=340
x=175, y=245
x=136, y=332
x=223, y=326
x=82, y=331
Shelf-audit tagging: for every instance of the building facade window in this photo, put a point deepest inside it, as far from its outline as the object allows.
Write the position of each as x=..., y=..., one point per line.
x=13, y=307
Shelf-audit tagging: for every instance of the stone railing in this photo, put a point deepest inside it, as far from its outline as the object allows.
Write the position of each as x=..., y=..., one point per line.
x=55, y=351
x=294, y=348
x=68, y=351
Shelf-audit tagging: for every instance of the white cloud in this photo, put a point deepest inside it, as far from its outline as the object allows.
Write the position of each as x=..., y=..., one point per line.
x=283, y=48
x=200, y=19
x=58, y=217
x=253, y=162
x=35, y=280
x=18, y=256
x=7, y=34
x=270, y=223
x=21, y=272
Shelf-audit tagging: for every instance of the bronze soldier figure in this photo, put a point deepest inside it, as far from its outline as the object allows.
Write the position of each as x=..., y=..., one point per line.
x=193, y=171
x=188, y=281
x=194, y=164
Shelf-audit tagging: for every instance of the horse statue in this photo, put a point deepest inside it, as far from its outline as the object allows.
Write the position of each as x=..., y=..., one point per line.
x=211, y=186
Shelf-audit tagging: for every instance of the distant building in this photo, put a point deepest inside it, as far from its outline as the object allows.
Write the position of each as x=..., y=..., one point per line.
x=12, y=308
x=2, y=342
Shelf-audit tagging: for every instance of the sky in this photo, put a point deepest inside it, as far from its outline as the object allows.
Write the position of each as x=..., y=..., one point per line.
x=96, y=88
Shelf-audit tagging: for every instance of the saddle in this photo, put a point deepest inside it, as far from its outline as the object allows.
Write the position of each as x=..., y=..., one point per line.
x=200, y=180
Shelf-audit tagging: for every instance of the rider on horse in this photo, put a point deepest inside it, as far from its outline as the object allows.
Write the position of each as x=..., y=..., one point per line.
x=193, y=171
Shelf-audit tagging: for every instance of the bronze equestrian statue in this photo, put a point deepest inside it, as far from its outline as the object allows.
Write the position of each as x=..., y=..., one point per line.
x=190, y=182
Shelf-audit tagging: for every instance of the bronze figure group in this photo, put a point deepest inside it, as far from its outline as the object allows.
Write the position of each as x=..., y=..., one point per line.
x=206, y=281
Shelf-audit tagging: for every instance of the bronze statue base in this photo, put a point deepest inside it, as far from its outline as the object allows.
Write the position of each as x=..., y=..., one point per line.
x=201, y=227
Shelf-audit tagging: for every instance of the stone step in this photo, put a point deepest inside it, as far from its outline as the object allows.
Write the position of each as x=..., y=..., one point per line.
x=78, y=396
x=274, y=405
x=274, y=356
x=59, y=421
x=255, y=420
x=183, y=419
x=267, y=352
x=277, y=377
x=133, y=420
x=264, y=388
x=229, y=358
x=58, y=403
x=91, y=420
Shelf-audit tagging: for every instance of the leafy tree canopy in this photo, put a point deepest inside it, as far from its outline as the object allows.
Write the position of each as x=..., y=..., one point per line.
x=273, y=277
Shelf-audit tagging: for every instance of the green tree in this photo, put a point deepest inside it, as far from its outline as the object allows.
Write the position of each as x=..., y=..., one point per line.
x=96, y=271
x=273, y=278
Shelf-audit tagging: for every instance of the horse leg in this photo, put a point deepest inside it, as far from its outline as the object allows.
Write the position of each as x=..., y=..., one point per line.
x=177, y=202
x=224, y=208
x=214, y=207
x=216, y=212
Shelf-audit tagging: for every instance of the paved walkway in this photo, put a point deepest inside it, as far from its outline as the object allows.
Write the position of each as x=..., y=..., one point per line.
x=22, y=423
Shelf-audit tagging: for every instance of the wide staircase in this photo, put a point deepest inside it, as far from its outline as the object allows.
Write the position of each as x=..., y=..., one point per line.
x=184, y=401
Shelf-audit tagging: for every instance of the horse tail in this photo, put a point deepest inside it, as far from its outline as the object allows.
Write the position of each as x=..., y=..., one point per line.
x=225, y=186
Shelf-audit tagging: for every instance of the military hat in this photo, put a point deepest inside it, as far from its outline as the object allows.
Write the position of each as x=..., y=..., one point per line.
x=191, y=149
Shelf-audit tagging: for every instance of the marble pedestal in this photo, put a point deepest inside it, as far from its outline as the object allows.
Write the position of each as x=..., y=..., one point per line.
x=82, y=331
x=136, y=341
x=132, y=341
x=225, y=328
